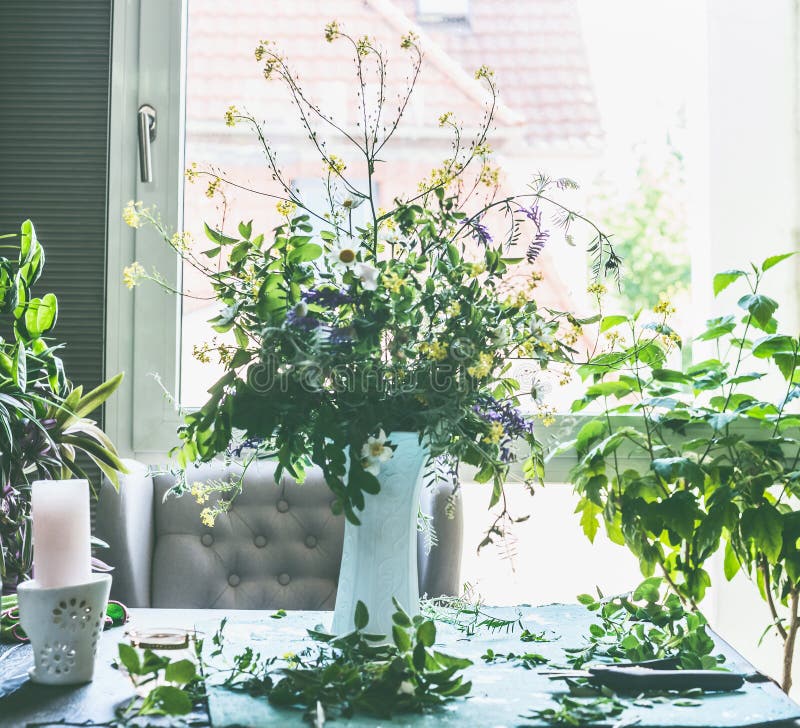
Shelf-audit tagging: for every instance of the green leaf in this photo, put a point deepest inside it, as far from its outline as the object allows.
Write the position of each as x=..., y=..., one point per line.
x=129, y=658
x=361, y=619
x=40, y=315
x=764, y=527
x=609, y=322
x=20, y=369
x=592, y=430
x=767, y=346
x=725, y=278
x=218, y=237
x=401, y=639
x=589, y=520
x=305, y=253
x=731, y=563
x=171, y=700
x=649, y=590
x=670, y=375
x=181, y=672
x=759, y=306
x=774, y=260
x=426, y=633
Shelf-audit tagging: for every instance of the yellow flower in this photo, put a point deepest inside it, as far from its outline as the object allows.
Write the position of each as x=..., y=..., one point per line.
x=446, y=118
x=362, y=46
x=453, y=309
x=332, y=31
x=409, y=39
x=132, y=214
x=199, y=492
x=393, y=282
x=534, y=280
x=664, y=307
x=482, y=150
x=572, y=334
x=495, y=433
x=208, y=516
x=261, y=49
x=290, y=657
x=484, y=366
x=286, y=208
x=132, y=275
x=475, y=269
x=181, y=241
x=489, y=176
x=191, y=173
x=436, y=350
x=336, y=164
x=596, y=289
x=201, y=353
x=213, y=187
x=518, y=300
x=484, y=72
x=230, y=116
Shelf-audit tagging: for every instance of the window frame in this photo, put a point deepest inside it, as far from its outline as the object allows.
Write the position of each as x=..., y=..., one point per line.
x=142, y=340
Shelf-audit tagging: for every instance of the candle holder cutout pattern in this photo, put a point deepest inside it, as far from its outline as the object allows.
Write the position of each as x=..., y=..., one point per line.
x=64, y=626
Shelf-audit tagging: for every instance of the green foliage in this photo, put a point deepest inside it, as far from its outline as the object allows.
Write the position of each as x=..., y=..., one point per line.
x=645, y=625
x=44, y=421
x=355, y=674
x=468, y=616
x=167, y=687
x=650, y=231
x=580, y=711
x=407, y=323
x=706, y=456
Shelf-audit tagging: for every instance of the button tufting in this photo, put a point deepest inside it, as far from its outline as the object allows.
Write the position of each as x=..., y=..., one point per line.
x=260, y=542
x=284, y=579
x=206, y=539
x=233, y=580
x=282, y=506
x=311, y=541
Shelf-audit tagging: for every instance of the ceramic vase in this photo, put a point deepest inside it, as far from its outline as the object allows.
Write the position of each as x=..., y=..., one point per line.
x=64, y=625
x=379, y=558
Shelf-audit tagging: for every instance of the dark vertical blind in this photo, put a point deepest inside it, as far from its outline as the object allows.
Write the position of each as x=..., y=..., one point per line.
x=54, y=101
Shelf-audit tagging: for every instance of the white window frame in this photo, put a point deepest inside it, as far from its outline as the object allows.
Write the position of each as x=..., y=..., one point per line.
x=143, y=334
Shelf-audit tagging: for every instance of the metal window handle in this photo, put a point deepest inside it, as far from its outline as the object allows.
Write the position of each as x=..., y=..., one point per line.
x=147, y=133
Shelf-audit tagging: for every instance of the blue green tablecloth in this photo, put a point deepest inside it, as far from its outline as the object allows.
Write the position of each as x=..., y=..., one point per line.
x=501, y=692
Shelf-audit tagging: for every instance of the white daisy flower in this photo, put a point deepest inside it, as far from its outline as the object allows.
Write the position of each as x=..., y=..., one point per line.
x=540, y=332
x=368, y=275
x=349, y=201
x=501, y=335
x=374, y=452
x=343, y=254
x=406, y=688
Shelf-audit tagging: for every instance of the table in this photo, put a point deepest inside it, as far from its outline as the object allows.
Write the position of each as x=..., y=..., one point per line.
x=501, y=692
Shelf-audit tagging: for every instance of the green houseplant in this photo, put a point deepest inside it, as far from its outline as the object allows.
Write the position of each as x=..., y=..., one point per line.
x=44, y=423
x=346, y=336
x=682, y=461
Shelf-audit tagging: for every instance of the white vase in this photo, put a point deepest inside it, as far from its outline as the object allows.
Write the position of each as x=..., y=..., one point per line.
x=63, y=625
x=379, y=559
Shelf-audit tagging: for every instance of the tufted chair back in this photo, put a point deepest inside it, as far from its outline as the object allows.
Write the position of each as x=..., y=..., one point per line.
x=280, y=546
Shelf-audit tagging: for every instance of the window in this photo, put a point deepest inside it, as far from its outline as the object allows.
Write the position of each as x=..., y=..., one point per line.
x=636, y=136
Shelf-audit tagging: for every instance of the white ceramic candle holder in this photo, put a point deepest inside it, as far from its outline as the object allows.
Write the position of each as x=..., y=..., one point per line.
x=63, y=625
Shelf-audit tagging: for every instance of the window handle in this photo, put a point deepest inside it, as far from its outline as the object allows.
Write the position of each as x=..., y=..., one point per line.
x=147, y=133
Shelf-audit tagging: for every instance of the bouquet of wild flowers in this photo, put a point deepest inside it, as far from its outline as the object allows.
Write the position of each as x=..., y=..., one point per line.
x=43, y=416
x=345, y=334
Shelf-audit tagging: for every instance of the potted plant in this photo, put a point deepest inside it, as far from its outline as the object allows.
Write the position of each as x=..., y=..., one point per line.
x=43, y=416
x=684, y=460
x=375, y=351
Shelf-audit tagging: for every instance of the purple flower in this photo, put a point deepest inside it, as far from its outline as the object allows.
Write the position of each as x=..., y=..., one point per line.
x=534, y=214
x=481, y=233
x=537, y=245
x=515, y=424
x=305, y=323
x=327, y=297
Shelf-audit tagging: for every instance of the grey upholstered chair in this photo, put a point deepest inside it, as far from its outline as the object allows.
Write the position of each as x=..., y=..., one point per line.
x=279, y=547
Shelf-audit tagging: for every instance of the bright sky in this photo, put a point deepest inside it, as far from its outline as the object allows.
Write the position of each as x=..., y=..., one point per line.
x=646, y=59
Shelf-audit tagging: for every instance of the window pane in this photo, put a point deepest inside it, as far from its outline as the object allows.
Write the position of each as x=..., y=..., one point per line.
x=567, y=108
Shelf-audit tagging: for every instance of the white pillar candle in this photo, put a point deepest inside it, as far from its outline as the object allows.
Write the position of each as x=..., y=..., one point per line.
x=62, y=552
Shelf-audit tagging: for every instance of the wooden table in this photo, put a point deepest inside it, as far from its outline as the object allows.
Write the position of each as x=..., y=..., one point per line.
x=501, y=692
